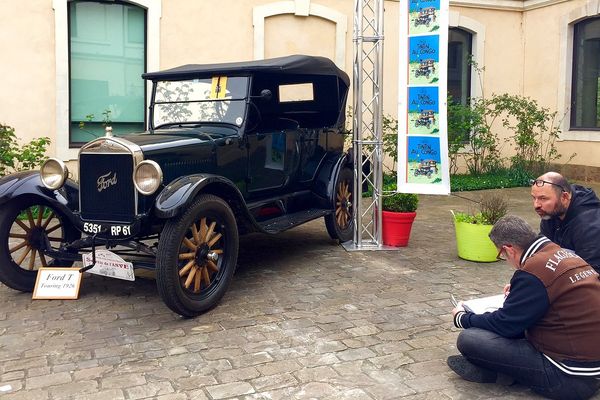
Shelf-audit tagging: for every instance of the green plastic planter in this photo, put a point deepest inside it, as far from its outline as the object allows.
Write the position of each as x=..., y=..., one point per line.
x=473, y=243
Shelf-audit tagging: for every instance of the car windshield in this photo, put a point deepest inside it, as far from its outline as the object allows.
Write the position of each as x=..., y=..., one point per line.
x=194, y=101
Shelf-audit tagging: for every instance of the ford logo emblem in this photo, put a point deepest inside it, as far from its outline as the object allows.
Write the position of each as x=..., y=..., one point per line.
x=105, y=181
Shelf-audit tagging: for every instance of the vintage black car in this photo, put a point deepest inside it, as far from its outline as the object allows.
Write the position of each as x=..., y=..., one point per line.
x=426, y=68
x=230, y=149
x=426, y=16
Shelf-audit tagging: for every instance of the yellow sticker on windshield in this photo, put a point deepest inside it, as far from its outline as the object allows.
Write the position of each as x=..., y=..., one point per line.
x=218, y=89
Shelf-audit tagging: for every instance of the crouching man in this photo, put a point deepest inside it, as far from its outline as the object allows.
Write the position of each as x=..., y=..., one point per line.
x=546, y=335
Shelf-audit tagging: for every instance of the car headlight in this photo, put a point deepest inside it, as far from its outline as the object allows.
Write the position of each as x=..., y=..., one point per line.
x=54, y=173
x=147, y=177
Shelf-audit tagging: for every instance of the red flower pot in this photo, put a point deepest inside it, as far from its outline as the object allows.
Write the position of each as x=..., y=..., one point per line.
x=396, y=227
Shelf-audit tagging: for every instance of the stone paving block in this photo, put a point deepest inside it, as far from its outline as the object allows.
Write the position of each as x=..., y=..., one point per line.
x=43, y=381
x=248, y=360
x=316, y=374
x=355, y=354
x=36, y=394
x=73, y=389
x=122, y=381
x=239, y=374
x=278, y=367
x=24, y=364
x=272, y=382
x=232, y=389
x=113, y=394
x=150, y=389
x=90, y=373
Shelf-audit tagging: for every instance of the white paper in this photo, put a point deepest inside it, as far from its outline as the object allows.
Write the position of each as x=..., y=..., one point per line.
x=109, y=264
x=484, y=304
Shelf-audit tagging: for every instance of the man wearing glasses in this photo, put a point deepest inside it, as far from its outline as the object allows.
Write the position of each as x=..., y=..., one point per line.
x=570, y=215
x=545, y=336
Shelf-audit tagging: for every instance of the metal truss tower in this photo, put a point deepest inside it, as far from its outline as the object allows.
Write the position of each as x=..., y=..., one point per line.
x=367, y=124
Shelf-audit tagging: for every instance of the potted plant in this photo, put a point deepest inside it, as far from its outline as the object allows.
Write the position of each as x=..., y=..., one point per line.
x=398, y=214
x=472, y=229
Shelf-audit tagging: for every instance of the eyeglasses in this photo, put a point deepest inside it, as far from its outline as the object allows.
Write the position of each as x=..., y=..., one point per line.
x=541, y=182
x=500, y=256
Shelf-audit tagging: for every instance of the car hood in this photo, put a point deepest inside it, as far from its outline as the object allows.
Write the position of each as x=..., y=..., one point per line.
x=170, y=138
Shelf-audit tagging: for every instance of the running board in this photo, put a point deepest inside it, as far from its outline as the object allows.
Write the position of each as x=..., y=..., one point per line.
x=288, y=221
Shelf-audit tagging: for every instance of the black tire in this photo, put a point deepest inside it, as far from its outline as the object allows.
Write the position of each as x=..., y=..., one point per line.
x=340, y=223
x=22, y=239
x=189, y=280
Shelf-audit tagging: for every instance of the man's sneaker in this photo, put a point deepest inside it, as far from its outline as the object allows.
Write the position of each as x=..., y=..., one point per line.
x=469, y=371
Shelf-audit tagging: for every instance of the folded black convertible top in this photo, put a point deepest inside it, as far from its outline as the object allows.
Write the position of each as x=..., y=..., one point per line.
x=293, y=65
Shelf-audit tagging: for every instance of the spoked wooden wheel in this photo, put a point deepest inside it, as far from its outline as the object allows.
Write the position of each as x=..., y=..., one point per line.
x=27, y=230
x=201, y=250
x=340, y=223
x=343, y=204
x=28, y=235
x=197, y=254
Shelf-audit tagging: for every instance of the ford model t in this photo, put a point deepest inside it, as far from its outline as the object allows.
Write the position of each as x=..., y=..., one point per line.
x=230, y=149
x=426, y=16
x=426, y=67
x=425, y=118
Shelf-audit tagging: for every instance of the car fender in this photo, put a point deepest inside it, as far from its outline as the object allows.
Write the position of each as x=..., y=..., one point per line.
x=324, y=185
x=29, y=184
x=178, y=194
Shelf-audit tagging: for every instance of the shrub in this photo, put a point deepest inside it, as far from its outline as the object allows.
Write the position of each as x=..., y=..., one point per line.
x=400, y=202
x=13, y=158
x=491, y=207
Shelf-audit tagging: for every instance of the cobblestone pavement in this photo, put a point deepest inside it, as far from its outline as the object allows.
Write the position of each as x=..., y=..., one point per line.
x=303, y=319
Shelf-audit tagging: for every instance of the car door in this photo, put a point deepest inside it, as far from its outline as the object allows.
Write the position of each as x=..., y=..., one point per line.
x=272, y=159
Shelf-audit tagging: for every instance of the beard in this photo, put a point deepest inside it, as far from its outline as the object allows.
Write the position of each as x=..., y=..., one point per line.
x=558, y=211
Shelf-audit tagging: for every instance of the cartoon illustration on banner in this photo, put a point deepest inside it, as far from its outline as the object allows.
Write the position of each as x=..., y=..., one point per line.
x=424, y=16
x=424, y=59
x=424, y=161
x=423, y=111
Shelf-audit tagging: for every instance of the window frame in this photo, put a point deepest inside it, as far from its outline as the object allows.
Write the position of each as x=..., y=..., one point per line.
x=574, y=74
x=72, y=144
x=468, y=66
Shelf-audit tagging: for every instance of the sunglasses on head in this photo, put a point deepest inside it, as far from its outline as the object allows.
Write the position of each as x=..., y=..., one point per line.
x=541, y=182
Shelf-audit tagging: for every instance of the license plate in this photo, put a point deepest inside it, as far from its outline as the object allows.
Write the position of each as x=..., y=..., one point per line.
x=109, y=264
x=112, y=230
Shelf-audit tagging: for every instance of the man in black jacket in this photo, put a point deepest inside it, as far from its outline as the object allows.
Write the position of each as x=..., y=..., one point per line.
x=570, y=215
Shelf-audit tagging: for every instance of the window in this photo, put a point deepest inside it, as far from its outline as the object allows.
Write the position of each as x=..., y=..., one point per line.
x=585, y=98
x=107, y=56
x=459, y=68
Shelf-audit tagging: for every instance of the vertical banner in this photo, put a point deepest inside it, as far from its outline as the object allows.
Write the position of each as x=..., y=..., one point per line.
x=422, y=91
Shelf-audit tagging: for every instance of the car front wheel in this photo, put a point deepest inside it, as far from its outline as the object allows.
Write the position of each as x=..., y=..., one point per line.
x=27, y=228
x=197, y=256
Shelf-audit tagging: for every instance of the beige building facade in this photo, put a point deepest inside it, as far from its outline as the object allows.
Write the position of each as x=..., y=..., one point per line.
x=526, y=47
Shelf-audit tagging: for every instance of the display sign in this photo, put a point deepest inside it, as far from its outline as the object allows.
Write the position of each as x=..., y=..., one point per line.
x=57, y=283
x=422, y=118
x=109, y=264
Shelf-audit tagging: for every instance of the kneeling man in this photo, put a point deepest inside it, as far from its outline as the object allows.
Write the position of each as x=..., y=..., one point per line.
x=546, y=334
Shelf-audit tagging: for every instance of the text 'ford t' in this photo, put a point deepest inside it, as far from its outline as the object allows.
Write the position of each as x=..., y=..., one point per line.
x=230, y=149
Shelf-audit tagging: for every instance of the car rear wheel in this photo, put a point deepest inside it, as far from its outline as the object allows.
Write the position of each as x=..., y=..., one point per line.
x=197, y=255
x=26, y=229
x=340, y=223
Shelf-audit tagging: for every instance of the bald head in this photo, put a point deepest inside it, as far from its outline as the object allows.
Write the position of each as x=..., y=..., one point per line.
x=560, y=182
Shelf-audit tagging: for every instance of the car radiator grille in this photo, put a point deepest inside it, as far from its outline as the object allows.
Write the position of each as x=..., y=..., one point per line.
x=106, y=185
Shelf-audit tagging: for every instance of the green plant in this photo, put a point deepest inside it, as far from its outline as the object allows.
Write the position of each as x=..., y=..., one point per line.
x=15, y=158
x=491, y=206
x=502, y=178
x=534, y=132
x=400, y=202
